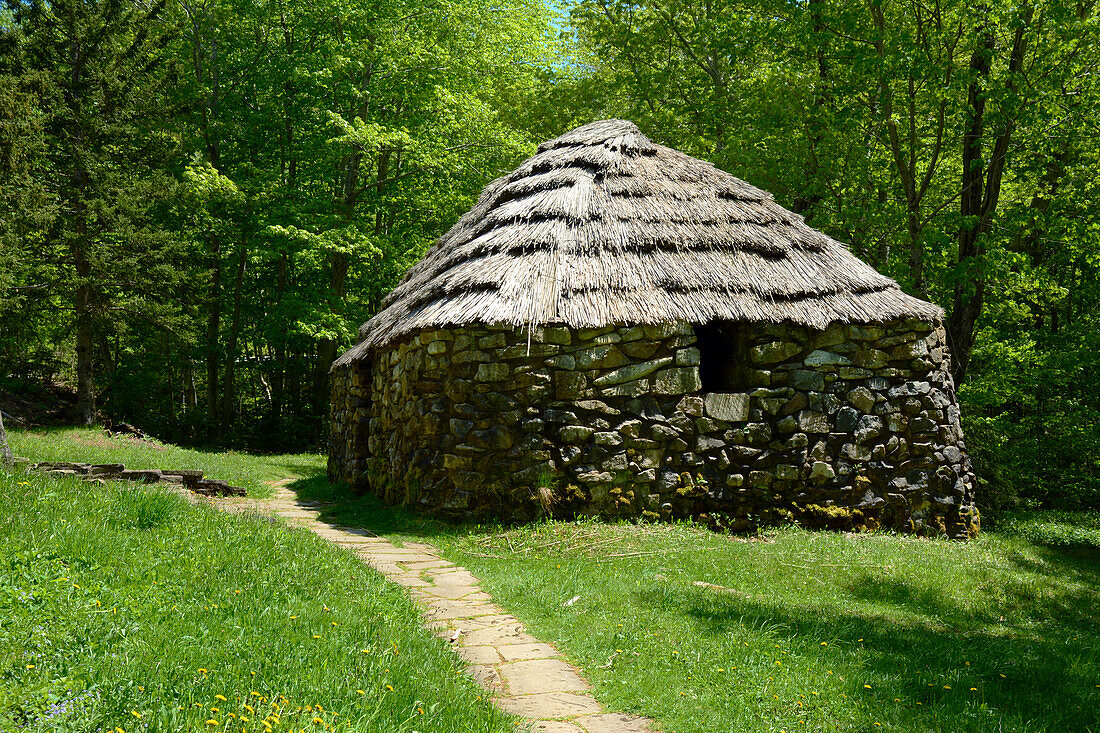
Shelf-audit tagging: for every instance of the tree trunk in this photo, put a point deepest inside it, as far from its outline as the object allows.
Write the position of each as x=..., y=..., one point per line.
x=229, y=383
x=981, y=190
x=213, y=325
x=85, y=367
x=5, y=452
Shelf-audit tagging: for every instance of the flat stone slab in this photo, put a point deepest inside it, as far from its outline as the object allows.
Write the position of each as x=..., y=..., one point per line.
x=499, y=636
x=555, y=726
x=614, y=723
x=478, y=654
x=521, y=652
x=541, y=675
x=549, y=705
x=461, y=610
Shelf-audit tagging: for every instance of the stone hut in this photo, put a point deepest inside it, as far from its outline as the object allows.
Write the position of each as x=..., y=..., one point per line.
x=617, y=328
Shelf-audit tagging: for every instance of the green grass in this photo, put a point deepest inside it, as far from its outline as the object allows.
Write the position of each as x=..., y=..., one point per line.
x=805, y=631
x=91, y=445
x=125, y=606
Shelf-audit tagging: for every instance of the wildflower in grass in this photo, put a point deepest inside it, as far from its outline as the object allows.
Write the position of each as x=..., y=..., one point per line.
x=317, y=721
x=221, y=697
x=203, y=671
x=215, y=710
x=973, y=689
x=362, y=692
x=389, y=687
x=316, y=636
x=211, y=721
x=867, y=686
x=249, y=708
x=947, y=687
x=30, y=666
x=135, y=713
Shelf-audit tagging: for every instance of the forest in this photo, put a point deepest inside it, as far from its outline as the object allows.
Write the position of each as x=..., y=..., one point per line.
x=202, y=200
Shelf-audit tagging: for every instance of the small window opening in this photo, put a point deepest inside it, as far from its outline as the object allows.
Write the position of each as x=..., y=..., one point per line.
x=723, y=356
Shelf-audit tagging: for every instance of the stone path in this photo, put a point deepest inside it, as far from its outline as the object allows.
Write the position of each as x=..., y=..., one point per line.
x=525, y=676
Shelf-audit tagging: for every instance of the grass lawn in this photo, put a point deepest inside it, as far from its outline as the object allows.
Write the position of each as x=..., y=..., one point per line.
x=801, y=631
x=126, y=608
x=92, y=445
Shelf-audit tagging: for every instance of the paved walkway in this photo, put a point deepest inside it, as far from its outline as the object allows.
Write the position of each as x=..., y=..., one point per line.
x=525, y=676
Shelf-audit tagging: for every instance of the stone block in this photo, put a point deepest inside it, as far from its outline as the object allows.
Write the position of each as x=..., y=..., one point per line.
x=731, y=407
x=691, y=406
x=773, y=352
x=565, y=362
x=821, y=471
x=683, y=380
x=570, y=385
x=492, y=372
x=813, y=422
x=609, y=438
x=688, y=357
x=825, y=358
x=553, y=335
x=862, y=399
x=640, y=349
x=807, y=380
x=576, y=433
x=600, y=357
x=631, y=372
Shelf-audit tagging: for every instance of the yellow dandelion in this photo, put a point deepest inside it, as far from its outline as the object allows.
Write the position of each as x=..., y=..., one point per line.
x=316, y=636
x=215, y=710
x=721, y=670
x=867, y=686
x=362, y=692
x=389, y=687
x=221, y=697
x=293, y=617
x=212, y=722
x=135, y=713
x=318, y=720
x=30, y=666
x=244, y=718
x=420, y=710
x=824, y=643
x=973, y=689
x=203, y=671
x=249, y=708
x=947, y=687
x=334, y=623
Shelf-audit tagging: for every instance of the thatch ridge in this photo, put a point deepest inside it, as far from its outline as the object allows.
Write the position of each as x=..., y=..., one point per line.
x=603, y=226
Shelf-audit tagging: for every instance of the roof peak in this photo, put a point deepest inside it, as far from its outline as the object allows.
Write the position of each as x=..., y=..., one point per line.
x=616, y=135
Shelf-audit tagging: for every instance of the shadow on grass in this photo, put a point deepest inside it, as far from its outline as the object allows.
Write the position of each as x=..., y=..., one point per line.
x=341, y=506
x=1032, y=652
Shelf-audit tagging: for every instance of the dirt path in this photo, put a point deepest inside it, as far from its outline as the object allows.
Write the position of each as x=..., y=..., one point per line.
x=525, y=676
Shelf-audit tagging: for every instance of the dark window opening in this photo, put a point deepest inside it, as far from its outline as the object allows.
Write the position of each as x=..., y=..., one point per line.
x=723, y=356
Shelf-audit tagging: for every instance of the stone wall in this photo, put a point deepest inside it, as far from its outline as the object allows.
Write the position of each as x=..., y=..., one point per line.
x=852, y=427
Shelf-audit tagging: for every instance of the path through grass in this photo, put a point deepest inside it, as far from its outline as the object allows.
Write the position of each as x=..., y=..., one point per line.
x=801, y=630
x=126, y=608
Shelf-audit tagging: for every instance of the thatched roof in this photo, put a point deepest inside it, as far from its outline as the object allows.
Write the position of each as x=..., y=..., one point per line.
x=602, y=226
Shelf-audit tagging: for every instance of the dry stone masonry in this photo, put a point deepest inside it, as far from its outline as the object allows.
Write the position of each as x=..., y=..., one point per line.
x=187, y=478
x=854, y=426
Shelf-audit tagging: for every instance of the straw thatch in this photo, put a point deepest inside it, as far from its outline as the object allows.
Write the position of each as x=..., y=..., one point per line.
x=603, y=226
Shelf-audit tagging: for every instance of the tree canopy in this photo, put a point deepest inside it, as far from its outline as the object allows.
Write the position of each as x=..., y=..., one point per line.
x=200, y=200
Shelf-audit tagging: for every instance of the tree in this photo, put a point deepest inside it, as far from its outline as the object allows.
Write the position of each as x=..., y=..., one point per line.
x=96, y=69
